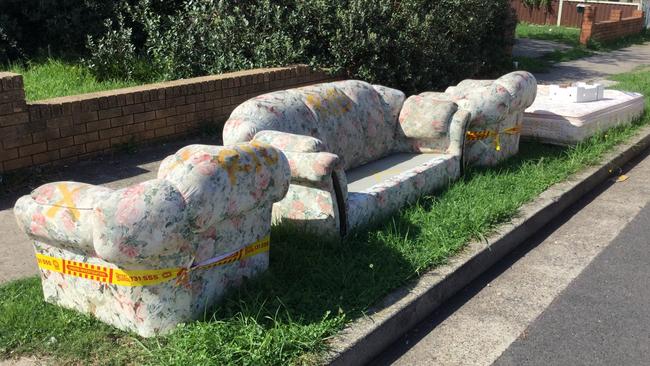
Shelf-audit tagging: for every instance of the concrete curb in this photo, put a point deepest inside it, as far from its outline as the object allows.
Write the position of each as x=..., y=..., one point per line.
x=401, y=310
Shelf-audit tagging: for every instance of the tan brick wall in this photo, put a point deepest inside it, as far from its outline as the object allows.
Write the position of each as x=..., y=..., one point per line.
x=67, y=129
x=614, y=28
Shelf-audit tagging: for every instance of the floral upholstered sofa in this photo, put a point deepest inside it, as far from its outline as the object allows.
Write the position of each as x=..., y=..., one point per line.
x=497, y=113
x=357, y=151
x=147, y=257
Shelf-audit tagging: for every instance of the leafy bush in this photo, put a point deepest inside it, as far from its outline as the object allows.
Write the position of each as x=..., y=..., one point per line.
x=8, y=46
x=420, y=44
x=113, y=54
x=209, y=37
x=31, y=28
x=409, y=44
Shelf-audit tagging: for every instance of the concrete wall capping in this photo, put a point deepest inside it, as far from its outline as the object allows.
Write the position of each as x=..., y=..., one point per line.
x=67, y=129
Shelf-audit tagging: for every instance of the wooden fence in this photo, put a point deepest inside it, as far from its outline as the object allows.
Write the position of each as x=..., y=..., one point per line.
x=570, y=16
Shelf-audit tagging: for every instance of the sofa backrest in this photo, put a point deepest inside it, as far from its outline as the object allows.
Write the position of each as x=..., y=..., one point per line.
x=220, y=182
x=495, y=99
x=354, y=119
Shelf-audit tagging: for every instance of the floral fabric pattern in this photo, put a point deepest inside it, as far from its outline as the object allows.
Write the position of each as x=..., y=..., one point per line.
x=357, y=123
x=208, y=201
x=45, y=215
x=290, y=142
x=430, y=124
x=496, y=109
x=355, y=120
x=382, y=199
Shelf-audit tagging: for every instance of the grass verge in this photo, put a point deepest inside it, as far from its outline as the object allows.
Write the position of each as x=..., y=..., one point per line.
x=313, y=287
x=56, y=78
x=565, y=35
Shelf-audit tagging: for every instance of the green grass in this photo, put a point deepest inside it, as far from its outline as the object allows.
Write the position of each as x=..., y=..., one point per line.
x=56, y=78
x=566, y=35
x=544, y=63
x=314, y=287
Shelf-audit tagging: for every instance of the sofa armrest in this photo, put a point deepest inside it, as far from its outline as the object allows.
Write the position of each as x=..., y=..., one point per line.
x=522, y=87
x=312, y=167
x=308, y=159
x=290, y=142
x=220, y=182
x=457, y=130
x=60, y=214
x=431, y=124
x=144, y=224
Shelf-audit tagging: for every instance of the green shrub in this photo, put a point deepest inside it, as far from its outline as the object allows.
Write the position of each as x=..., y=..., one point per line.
x=113, y=54
x=211, y=37
x=409, y=44
x=420, y=44
x=35, y=28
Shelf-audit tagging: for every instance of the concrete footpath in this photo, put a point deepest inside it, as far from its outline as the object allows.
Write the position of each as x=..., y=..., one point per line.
x=493, y=316
x=599, y=66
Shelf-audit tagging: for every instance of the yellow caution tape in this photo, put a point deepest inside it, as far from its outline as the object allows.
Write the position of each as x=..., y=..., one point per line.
x=485, y=134
x=121, y=277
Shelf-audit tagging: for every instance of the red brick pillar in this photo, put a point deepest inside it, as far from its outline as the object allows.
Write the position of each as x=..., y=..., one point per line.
x=588, y=20
x=13, y=121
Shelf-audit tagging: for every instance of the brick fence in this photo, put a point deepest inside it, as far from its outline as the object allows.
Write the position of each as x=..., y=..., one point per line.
x=566, y=12
x=67, y=129
x=614, y=28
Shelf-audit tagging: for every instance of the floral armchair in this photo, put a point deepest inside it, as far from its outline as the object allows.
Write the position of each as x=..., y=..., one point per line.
x=355, y=153
x=497, y=111
x=152, y=255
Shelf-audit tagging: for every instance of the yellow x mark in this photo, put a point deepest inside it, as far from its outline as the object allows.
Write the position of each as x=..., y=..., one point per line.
x=65, y=202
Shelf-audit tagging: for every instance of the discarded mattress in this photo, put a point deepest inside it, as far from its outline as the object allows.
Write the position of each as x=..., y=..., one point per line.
x=566, y=123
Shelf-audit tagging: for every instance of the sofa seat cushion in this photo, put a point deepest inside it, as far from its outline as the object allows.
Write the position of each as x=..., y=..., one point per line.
x=385, y=185
x=61, y=213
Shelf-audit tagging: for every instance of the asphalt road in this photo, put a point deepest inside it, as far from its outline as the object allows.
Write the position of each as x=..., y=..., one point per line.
x=603, y=317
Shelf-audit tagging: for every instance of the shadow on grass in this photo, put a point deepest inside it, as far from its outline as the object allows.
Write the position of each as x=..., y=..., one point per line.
x=309, y=277
x=313, y=286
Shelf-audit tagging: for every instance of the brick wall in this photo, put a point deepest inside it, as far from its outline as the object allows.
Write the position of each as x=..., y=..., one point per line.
x=608, y=30
x=67, y=129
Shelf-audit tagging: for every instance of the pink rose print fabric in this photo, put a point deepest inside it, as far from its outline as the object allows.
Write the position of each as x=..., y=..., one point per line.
x=496, y=109
x=327, y=130
x=208, y=202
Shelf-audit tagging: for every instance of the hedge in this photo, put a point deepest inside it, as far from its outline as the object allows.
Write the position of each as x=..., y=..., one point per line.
x=409, y=44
